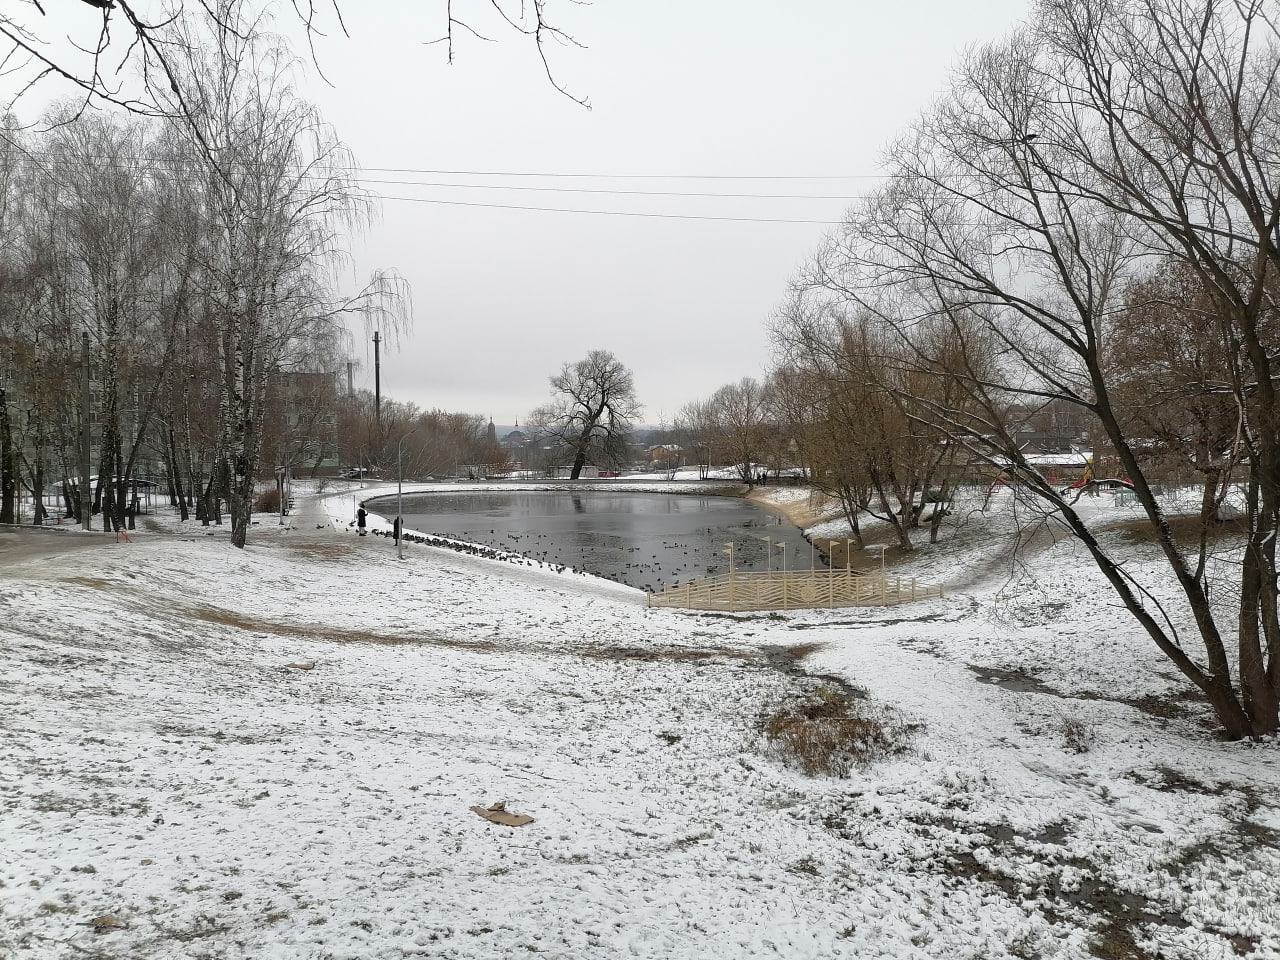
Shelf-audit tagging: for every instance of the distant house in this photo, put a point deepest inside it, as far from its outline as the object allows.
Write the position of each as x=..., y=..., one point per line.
x=1061, y=466
x=666, y=455
x=1032, y=441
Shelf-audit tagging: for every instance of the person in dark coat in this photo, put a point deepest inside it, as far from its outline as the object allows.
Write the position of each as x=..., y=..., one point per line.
x=395, y=529
x=360, y=519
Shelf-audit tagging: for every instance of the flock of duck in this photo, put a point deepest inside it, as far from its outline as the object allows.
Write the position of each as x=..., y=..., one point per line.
x=539, y=550
x=480, y=550
x=678, y=559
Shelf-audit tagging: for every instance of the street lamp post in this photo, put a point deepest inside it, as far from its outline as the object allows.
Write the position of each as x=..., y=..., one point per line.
x=733, y=598
x=397, y=528
x=783, y=547
x=280, y=491
x=377, y=382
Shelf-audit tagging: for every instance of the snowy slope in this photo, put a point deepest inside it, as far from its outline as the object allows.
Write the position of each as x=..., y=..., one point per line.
x=273, y=752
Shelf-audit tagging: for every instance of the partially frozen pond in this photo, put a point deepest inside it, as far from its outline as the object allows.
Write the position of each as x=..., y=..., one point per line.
x=646, y=540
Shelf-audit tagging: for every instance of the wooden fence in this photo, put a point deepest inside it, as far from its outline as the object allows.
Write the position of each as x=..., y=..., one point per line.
x=792, y=590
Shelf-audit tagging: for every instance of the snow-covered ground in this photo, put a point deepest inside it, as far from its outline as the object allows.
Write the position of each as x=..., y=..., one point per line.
x=273, y=753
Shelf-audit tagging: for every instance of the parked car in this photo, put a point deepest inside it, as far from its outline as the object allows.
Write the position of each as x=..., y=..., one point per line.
x=359, y=473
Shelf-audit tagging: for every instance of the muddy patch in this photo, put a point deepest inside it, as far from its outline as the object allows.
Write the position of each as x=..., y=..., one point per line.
x=1019, y=681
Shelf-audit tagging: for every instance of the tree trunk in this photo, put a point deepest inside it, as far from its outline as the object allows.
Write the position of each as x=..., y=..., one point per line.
x=901, y=524
x=38, y=467
x=37, y=494
x=211, y=505
x=851, y=503
x=939, y=511
x=8, y=466
x=175, y=476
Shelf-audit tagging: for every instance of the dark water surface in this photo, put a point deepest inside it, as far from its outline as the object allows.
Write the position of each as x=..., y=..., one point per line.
x=646, y=540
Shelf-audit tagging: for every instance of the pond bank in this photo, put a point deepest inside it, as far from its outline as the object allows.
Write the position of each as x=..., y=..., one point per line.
x=647, y=540
x=805, y=508
x=802, y=506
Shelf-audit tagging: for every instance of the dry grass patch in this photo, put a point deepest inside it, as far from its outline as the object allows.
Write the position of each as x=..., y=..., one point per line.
x=251, y=624
x=798, y=651
x=832, y=731
x=668, y=653
x=1186, y=529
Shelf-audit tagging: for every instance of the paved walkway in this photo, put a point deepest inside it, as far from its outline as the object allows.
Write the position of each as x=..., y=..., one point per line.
x=308, y=523
x=308, y=520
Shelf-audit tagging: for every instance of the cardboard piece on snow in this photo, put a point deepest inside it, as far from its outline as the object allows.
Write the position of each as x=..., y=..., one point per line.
x=104, y=924
x=497, y=813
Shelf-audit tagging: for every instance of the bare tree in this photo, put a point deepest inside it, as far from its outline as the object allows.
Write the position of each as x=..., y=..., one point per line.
x=1170, y=364
x=1067, y=160
x=865, y=448
x=742, y=430
x=593, y=411
x=13, y=281
x=807, y=405
x=105, y=213
x=696, y=430
x=123, y=52
x=278, y=194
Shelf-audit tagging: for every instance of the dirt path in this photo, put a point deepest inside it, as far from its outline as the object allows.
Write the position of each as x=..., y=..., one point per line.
x=802, y=513
x=309, y=529
x=24, y=544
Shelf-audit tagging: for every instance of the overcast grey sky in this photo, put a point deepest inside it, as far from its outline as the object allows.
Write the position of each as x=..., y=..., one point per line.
x=749, y=97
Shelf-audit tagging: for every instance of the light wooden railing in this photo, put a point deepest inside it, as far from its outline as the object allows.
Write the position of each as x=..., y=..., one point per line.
x=792, y=590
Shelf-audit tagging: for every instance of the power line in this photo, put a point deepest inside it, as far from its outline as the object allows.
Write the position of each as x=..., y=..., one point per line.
x=627, y=176
x=354, y=171
x=616, y=193
x=356, y=179
x=607, y=213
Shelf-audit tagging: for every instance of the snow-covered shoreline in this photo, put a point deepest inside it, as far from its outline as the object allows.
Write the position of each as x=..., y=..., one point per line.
x=273, y=752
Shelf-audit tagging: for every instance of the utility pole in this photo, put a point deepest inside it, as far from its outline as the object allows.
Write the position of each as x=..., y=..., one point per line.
x=86, y=416
x=377, y=382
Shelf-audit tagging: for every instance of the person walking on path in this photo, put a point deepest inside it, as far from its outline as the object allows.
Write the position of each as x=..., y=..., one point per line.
x=360, y=519
x=396, y=529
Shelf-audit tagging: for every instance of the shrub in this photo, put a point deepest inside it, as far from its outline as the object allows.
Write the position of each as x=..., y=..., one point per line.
x=268, y=501
x=1077, y=736
x=830, y=732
